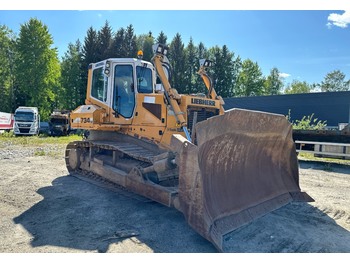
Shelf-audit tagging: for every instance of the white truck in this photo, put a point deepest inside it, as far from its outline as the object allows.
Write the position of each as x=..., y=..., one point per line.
x=6, y=122
x=27, y=121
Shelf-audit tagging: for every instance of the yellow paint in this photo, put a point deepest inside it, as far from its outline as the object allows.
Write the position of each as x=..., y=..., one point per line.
x=159, y=126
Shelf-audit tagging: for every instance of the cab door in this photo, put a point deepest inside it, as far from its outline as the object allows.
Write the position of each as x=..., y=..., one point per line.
x=123, y=97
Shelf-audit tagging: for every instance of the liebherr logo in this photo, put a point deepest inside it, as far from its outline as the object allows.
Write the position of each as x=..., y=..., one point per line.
x=198, y=101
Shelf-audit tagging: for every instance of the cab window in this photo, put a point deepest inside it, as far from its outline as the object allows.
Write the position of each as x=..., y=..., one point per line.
x=144, y=79
x=99, y=85
x=124, y=95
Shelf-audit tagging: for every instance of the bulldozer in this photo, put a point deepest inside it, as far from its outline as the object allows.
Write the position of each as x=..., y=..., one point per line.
x=220, y=169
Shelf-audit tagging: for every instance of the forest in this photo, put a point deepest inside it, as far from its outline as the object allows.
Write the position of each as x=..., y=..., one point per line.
x=32, y=74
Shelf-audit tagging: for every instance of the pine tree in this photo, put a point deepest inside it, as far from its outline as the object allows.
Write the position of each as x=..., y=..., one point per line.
x=118, y=45
x=191, y=68
x=90, y=47
x=130, y=42
x=73, y=87
x=105, y=37
x=224, y=71
x=202, y=53
x=177, y=60
x=162, y=38
x=89, y=52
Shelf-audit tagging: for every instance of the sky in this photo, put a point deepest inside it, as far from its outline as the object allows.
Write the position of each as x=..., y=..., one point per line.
x=304, y=41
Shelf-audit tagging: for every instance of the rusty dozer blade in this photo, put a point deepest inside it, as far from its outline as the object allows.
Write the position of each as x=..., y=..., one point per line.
x=244, y=166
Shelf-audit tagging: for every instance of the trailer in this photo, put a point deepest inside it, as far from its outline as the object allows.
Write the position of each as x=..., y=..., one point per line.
x=6, y=121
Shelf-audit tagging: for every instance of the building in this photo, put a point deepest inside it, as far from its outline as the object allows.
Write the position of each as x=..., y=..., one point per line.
x=332, y=107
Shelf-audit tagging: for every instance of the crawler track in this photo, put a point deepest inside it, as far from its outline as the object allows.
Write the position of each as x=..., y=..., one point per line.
x=104, y=183
x=98, y=180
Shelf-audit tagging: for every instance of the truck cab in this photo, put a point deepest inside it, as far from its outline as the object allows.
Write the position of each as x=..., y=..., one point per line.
x=59, y=123
x=27, y=121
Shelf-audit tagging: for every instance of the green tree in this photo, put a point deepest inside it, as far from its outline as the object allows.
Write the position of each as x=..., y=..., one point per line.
x=191, y=68
x=90, y=47
x=37, y=67
x=222, y=70
x=297, y=87
x=73, y=87
x=177, y=61
x=273, y=84
x=130, y=42
x=89, y=52
x=105, y=36
x=229, y=73
x=250, y=80
x=124, y=43
x=224, y=73
x=7, y=77
x=118, y=46
x=145, y=43
x=162, y=38
x=335, y=81
x=202, y=53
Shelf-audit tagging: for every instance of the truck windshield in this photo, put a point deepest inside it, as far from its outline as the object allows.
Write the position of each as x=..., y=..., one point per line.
x=58, y=121
x=24, y=116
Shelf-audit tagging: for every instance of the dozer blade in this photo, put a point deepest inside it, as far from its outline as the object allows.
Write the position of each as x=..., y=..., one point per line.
x=244, y=166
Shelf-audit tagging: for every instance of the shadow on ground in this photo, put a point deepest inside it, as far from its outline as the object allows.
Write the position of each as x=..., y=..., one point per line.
x=295, y=228
x=82, y=216
x=79, y=215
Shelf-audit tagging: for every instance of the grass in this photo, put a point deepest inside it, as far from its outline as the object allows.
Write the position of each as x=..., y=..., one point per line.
x=39, y=152
x=41, y=145
x=37, y=140
x=326, y=160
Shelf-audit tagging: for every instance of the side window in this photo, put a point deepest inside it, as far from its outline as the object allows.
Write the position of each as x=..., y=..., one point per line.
x=144, y=80
x=99, y=85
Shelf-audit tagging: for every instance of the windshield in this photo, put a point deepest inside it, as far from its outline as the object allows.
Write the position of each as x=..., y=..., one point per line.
x=58, y=121
x=144, y=79
x=24, y=117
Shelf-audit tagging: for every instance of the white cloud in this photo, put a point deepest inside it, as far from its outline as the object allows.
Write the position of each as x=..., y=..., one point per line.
x=339, y=20
x=284, y=75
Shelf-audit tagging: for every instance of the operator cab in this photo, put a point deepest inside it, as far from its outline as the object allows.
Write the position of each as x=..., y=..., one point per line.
x=116, y=82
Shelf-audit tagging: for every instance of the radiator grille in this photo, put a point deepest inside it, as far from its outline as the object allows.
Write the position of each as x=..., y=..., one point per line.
x=24, y=130
x=202, y=114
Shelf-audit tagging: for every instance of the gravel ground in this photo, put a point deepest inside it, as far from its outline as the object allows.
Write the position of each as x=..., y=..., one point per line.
x=42, y=209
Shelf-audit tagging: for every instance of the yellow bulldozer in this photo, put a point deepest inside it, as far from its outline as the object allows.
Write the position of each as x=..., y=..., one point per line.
x=221, y=169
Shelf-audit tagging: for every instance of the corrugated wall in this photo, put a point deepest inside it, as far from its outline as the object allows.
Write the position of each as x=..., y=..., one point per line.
x=333, y=107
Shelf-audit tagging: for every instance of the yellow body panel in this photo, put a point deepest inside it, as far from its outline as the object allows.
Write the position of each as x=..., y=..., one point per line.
x=154, y=118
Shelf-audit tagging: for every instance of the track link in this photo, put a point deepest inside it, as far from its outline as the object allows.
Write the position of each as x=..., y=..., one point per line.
x=98, y=180
x=106, y=184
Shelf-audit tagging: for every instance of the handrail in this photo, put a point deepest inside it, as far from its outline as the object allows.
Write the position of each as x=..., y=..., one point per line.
x=343, y=145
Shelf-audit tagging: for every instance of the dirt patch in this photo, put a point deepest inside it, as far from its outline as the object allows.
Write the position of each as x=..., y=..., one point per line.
x=43, y=209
